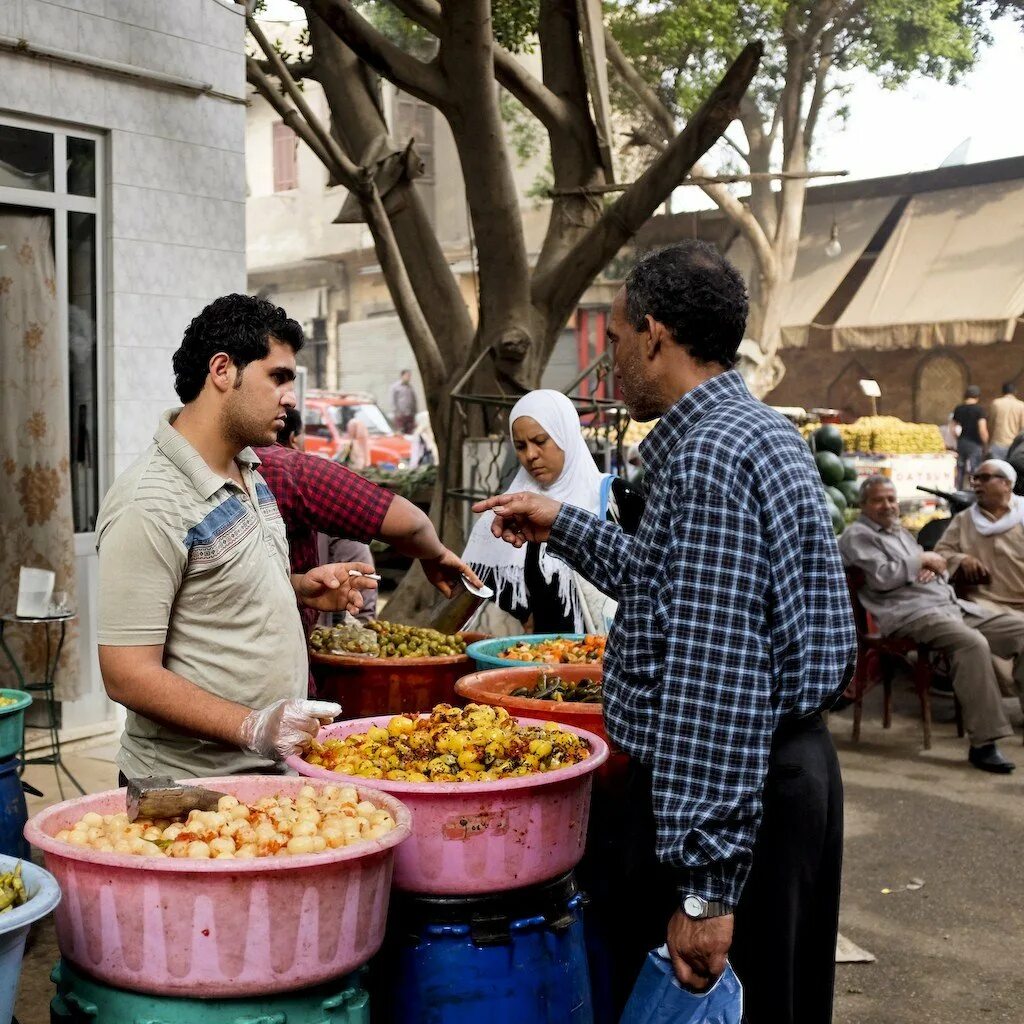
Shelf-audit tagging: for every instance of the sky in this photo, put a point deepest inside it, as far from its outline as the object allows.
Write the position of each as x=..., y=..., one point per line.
x=913, y=128
x=916, y=127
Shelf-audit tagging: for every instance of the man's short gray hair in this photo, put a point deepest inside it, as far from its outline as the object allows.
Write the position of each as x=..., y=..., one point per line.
x=875, y=480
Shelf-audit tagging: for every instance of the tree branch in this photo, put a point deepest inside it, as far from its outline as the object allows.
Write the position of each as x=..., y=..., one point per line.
x=347, y=170
x=649, y=99
x=820, y=91
x=297, y=69
x=412, y=76
x=466, y=60
x=291, y=117
x=739, y=214
x=511, y=75
x=358, y=180
x=559, y=290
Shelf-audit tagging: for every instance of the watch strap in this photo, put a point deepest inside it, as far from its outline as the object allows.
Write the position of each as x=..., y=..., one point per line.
x=716, y=908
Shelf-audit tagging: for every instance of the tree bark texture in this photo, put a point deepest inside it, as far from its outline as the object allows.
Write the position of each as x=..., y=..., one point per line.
x=521, y=311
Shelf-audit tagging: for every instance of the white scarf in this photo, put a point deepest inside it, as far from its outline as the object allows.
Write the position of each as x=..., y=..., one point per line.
x=578, y=484
x=993, y=527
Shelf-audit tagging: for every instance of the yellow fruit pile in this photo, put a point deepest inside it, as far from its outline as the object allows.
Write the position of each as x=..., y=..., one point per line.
x=919, y=520
x=271, y=826
x=636, y=432
x=889, y=435
x=470, y=744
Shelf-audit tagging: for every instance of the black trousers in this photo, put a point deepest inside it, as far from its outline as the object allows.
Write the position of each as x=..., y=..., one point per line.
x=785, y=926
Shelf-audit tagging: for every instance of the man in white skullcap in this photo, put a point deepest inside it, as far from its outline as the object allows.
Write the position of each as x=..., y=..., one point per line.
x=985, y=543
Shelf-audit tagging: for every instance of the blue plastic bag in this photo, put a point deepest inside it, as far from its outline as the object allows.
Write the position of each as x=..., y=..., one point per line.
x=657, y=997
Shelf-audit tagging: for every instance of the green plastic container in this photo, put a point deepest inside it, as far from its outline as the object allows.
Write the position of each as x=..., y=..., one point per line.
x=83, y=1000
x=12, y=722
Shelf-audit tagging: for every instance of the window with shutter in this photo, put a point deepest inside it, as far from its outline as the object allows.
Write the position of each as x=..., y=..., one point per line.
x=286, y=170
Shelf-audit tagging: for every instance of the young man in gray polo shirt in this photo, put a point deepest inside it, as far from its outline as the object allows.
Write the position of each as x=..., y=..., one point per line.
x=199, y=633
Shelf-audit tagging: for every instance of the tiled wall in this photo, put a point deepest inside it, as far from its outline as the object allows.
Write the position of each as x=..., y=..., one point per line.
x=175, y=204
x=176, y=173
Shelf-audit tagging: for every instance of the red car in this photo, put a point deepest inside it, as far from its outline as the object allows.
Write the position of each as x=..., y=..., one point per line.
x=326, y=419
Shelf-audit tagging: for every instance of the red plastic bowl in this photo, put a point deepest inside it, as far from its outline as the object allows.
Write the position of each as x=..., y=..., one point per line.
x=495, y=685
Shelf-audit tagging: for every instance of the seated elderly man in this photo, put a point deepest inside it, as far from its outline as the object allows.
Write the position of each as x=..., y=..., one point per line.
x=907, y=590
x=986, y=542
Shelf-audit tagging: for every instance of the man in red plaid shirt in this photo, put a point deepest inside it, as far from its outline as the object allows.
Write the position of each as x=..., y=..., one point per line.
x=316, y=495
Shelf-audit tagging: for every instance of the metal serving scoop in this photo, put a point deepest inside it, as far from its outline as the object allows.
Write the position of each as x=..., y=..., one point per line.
x=158, y=796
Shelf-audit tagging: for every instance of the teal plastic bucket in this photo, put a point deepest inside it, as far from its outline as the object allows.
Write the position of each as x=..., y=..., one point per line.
x=487, y=653
x=12, y=723
x=81, y=999
x=43, y=895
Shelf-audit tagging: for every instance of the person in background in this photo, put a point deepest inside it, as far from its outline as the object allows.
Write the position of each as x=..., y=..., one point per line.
x=970, y=446
x=331, y=549
x=1006, y=421
x=424, y=447
x=199, y=634
x=984, y=549
x=733, y=632
x=985, y=543
x=907, y=590
x=317, y=496
x=530, y=583
x=403, y=403
x=1015, y=457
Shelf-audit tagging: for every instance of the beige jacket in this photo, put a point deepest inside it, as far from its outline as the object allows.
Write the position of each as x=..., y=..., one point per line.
x=1002, y=554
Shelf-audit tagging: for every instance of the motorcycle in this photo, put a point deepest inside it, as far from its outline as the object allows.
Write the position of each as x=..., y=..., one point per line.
x=929, y=534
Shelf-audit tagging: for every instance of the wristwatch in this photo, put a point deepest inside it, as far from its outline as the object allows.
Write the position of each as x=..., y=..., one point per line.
x=697, y=908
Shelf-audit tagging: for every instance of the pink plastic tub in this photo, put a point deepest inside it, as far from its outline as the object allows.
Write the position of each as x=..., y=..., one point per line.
x=218, y=927
x=476, y=837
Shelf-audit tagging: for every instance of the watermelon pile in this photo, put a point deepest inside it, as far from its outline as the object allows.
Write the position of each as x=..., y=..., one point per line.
x=838, y=475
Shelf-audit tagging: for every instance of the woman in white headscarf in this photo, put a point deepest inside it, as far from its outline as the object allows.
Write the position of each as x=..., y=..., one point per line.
x=554, y=460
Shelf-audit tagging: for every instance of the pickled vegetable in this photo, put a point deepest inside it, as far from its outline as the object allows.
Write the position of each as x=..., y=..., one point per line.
x=386, y=640
x=6, y=702
x=551, y=687
x=470, y=744
x=560, y=651
x=345, y=639
x=12, y=889
x=313, y=821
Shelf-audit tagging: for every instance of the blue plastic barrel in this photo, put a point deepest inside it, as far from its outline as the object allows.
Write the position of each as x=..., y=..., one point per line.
x=508, y=958
x=13, y=812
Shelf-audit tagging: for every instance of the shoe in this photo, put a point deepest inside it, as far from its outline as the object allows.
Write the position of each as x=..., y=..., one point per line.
x=988, y=759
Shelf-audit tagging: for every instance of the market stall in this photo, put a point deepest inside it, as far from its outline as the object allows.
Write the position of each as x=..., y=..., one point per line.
x=272, y=896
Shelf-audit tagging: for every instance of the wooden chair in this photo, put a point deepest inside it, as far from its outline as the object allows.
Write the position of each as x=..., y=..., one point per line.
x=876, y=657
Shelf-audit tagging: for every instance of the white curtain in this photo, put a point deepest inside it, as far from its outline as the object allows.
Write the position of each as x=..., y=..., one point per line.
x=36, y=527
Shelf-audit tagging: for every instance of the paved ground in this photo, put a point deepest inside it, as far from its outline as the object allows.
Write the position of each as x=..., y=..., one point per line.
x=949, y=952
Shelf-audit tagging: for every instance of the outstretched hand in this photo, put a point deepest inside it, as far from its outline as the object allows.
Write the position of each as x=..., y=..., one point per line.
x=521, y=517
x=445, y=571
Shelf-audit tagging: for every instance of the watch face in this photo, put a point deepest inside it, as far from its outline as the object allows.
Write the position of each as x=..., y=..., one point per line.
x=694, y=906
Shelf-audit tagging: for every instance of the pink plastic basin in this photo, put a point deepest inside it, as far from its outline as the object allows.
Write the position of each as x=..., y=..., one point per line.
x=476, y=837
x=219, y=927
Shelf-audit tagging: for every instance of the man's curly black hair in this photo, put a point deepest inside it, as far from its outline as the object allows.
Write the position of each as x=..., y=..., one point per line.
x=696, y=293
x=240, y=326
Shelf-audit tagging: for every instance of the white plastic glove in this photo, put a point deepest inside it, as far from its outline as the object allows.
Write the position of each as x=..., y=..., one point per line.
x=285, y=727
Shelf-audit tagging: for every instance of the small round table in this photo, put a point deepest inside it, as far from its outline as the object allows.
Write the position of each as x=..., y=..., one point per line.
x=43, y=687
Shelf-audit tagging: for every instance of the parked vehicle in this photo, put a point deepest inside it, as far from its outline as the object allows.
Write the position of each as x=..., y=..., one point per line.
x=326, y=417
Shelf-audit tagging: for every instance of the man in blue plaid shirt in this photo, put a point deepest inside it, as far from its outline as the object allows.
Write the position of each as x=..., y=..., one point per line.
x=733, y=633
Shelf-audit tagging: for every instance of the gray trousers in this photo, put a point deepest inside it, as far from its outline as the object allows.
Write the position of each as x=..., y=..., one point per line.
x=969, y=643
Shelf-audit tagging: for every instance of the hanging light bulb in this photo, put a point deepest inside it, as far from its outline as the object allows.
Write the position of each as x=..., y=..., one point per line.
x=832, y=246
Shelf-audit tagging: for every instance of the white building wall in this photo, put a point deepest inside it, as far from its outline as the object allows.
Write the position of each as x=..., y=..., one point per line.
x=174, y=210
